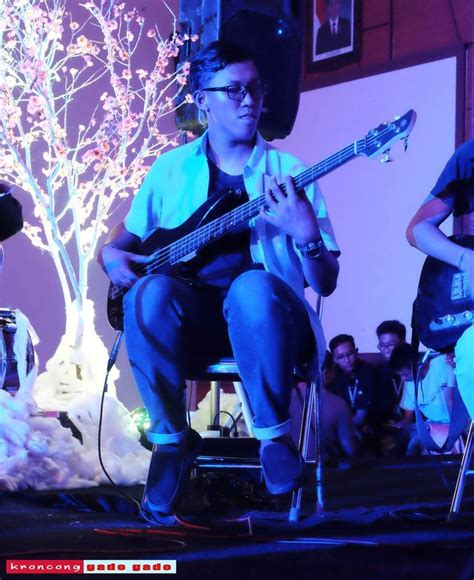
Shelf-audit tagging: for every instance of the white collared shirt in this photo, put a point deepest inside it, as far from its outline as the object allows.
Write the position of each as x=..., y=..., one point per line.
x=177, y=185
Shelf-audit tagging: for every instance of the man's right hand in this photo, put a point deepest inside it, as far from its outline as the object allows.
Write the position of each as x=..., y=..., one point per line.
x=121, y=266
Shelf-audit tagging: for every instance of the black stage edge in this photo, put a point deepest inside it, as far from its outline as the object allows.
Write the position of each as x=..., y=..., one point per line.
x=383, y=520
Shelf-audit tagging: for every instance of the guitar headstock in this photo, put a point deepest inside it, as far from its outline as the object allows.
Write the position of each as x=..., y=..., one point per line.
x=380, y=139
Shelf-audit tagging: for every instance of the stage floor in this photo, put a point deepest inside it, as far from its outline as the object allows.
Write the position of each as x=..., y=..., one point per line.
x=382, y=519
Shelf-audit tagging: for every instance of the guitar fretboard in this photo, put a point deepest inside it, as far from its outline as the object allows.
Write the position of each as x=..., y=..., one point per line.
x=244, y=213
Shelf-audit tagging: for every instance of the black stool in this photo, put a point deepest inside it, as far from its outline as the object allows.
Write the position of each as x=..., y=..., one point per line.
x=226, y=370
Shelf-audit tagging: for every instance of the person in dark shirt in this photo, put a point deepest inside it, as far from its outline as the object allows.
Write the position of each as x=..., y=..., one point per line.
x=338, y=433
x=386, y=410
x=335, y=33
x=355, y=380
x=453, y=194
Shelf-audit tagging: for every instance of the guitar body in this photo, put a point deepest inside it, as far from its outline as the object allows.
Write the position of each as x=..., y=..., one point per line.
x=161, y=238
x=443, y=307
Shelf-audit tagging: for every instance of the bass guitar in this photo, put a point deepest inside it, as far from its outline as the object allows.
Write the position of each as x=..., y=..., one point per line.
x=443, y=307
x=220, y=214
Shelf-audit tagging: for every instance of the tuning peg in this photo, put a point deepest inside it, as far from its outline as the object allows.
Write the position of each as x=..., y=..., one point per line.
x=386, y=157
x=405, y=143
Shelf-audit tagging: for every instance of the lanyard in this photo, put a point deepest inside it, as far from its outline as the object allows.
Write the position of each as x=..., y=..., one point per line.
x=352, y=389
x=397, y=388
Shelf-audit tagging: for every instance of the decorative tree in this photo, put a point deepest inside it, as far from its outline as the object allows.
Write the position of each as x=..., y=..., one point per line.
x=78, y=129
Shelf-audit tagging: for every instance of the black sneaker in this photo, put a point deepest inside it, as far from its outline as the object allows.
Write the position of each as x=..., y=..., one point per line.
x=168, y=476
x=282, y=466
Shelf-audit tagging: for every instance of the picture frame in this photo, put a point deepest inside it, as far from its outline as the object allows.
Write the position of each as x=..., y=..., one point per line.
x=334, y=32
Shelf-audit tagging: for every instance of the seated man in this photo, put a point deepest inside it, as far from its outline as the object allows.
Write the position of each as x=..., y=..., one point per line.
x=245, y=294
x=338, y=434
x=435, y=391
x=355, y=380
x=386, y=402
x=452, y=195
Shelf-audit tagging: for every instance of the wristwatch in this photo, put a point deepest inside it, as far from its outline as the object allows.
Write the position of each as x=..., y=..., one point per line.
x=311, y=249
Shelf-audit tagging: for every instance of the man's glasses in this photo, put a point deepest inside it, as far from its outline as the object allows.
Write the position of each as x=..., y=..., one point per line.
x=387, y=345
x=239, y=92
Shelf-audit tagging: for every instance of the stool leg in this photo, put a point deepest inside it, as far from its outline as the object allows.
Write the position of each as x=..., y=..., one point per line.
x=245, y=406
x=215, y=401
x=463, y=472
x=318, y=447
x=303, y=445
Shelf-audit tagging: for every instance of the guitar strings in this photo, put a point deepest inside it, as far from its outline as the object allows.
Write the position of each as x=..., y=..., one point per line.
x=217, y=227
x=188, y=243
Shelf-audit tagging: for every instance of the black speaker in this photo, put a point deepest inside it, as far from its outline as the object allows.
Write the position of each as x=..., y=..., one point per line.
x=272, y=30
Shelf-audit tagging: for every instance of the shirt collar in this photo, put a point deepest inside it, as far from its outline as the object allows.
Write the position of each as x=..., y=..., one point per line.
x=255, y=156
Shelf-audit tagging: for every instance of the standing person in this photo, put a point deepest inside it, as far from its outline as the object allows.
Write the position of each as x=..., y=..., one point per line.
x=247, y=293
x=335, y=33
x=453, y=194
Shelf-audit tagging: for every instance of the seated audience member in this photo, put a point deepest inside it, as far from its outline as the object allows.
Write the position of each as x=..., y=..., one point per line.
x=355, y=380
x=435, y=391
x=338, y=434
x=386, y=401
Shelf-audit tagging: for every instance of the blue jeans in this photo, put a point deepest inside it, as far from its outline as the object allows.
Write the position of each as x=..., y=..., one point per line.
x=174, y=330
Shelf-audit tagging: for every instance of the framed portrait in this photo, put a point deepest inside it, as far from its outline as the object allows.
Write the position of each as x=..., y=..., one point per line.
x=334, y=33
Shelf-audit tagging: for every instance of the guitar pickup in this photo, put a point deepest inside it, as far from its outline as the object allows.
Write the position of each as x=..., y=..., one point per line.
x=452, y=321
x=459, y=286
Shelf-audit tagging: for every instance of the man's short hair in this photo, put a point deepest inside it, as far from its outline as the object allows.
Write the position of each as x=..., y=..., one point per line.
x=340, y=339
x=392, y=327
x=403, y=356
x=213, y=58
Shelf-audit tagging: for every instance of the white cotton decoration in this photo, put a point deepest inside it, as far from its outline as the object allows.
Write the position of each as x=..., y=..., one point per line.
x=38, y=452
x=124, y=457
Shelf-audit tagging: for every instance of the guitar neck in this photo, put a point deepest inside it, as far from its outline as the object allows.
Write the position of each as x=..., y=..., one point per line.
x=218, y=227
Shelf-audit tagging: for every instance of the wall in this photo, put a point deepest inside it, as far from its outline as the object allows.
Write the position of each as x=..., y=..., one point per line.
x=397, y=33
x=394, y=34
x=370, y=203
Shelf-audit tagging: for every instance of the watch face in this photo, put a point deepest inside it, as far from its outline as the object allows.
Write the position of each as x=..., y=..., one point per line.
x=311, y=249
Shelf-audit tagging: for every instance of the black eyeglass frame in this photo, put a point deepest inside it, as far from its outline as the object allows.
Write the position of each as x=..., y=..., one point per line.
x=244, y=90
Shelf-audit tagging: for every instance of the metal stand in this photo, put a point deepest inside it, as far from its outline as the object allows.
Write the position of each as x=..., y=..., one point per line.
x=311, y=410
x=464, y=472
